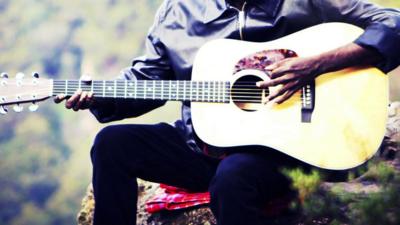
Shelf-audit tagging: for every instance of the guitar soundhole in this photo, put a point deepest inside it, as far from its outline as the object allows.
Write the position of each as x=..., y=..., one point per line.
x=246, y=95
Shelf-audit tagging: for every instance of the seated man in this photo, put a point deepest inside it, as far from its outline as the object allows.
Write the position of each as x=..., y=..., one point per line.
x=244, y=179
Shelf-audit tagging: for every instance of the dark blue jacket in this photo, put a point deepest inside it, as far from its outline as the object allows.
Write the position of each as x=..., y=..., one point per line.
x=182, y=26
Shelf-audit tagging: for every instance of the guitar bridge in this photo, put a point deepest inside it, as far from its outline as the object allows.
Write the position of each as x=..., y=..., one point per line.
x=308, y=102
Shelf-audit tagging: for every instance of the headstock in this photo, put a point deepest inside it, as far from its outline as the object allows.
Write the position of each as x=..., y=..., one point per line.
x=19, y=90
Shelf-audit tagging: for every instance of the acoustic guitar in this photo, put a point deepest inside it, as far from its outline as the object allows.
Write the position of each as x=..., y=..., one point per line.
x=336, y=122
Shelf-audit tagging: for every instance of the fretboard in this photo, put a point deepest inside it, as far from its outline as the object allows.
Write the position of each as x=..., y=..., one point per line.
x=173, y=90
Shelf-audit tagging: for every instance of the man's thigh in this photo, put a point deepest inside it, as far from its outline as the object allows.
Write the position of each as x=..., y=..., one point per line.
x=158, y=153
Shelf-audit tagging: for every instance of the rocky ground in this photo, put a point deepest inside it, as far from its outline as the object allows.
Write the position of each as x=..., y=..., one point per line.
x=368, y=199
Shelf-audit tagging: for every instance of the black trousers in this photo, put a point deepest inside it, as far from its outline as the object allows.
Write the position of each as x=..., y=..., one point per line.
x=240, y=184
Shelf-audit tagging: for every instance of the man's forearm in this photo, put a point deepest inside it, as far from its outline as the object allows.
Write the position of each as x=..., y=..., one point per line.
x=346, y=56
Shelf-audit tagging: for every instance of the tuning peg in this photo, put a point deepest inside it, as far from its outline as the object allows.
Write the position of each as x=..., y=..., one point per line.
x=3, y=110
x=4, y=75
x=33, y=107
x=35, y=75
x=18, y=108
x=20, y=75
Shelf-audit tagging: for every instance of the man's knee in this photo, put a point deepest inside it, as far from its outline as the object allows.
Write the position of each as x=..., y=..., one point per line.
x=230, y=175
x=108, y=143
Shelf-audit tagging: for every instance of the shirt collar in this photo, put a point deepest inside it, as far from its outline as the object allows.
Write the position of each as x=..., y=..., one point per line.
x=215, y=8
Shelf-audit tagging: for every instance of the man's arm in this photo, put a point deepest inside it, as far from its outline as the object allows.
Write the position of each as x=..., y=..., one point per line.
x=378, y=45
x=154, y=65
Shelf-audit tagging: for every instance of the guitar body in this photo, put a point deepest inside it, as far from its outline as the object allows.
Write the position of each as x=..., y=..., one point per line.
x=348, y=119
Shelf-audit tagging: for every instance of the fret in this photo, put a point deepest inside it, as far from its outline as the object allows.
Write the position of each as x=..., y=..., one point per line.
x=115, y=88
x=144, y=89
x=109, y=89
x=217, y=87
x=69, y=84
x=91, y=86
x=141, y=90
x=135, y=89
x=221, y=91
x=177, y=90
x=184, y=90
x=190, y=92
x=104, y=88
x=169, y=96
x=221, y=85
x=216, y=83
x=154, y=89
x=66, y=87
x=79, y=84
x=201, y=84
x=196, y=84
x=120, y=88
x=162, y=90
x=212, y=92
x=125, y=88
x=227, y=92
x=196, y=97
x=208, y=91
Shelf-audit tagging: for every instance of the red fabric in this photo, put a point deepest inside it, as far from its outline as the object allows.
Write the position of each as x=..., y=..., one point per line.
x=175, y=198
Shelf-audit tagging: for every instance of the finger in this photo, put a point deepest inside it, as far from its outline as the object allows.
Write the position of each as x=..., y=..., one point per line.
x=59, y=98
x=272, y=66
x=280, y=71
x=284, y=97
x=276, y=81
x=90, y=96
x=81, y=101
x=70, y=103
x=282, y=90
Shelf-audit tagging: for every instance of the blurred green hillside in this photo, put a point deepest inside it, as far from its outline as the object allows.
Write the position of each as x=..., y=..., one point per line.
x=44, y=156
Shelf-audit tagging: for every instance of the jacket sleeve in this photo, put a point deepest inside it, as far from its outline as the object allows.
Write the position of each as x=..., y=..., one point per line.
x=154, y=65
x=381, y=26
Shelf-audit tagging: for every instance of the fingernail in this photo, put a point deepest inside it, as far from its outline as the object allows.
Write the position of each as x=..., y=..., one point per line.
x=85, y=77
x=270, y=67
x=258, y=84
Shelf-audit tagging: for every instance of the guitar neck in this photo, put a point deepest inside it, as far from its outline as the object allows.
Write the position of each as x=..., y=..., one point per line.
x=172, y=90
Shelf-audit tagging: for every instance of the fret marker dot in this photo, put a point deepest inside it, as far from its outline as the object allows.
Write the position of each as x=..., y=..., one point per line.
x=109, y=88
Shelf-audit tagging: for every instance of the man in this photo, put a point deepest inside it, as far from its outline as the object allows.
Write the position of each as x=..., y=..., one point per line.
x=245, y=179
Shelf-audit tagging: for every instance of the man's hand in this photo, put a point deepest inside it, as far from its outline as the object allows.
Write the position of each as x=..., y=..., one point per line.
x=80, y=100
x=292, y=74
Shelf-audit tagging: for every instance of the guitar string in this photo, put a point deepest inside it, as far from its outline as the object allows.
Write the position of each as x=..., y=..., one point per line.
x=216, y=91
x=178, y=98
x=200, y=89
x=212, y=93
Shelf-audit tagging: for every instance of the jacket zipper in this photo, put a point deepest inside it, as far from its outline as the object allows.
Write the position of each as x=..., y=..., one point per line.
x=242, y=20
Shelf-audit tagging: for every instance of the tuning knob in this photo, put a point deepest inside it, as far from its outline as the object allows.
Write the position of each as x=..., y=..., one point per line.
x=18, y=108
x=35, y=75
x=4, y=75
x=33, y=107
x=20, y=75
x=3, y=110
